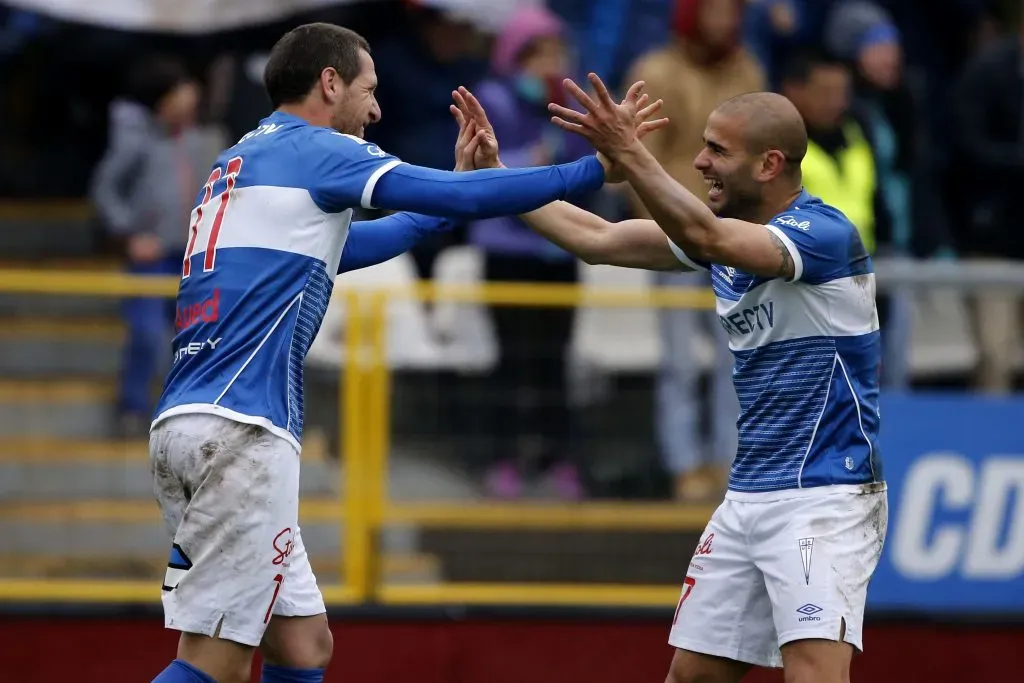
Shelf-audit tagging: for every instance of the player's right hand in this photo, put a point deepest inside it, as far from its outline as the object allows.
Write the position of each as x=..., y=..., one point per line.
x=612, y=173
x=481, y=148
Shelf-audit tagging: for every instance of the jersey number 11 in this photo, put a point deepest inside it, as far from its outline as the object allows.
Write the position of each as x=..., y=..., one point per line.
x=234, y=167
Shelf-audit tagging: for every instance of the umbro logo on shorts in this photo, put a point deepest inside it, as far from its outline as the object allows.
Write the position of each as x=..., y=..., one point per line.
x=809, y=611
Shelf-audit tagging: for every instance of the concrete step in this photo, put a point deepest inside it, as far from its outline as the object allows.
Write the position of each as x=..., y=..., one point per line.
x=75, y=470
x=395, y=567
x=33, y=305
x=85, y=346
x=79, y=408
x=118, y=529
x=50, y=228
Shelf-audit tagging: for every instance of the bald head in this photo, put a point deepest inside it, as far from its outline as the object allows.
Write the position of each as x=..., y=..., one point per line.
x=769, y=121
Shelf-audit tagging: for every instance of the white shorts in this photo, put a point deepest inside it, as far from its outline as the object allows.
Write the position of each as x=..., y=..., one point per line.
x=774, y=568
x=229, y=494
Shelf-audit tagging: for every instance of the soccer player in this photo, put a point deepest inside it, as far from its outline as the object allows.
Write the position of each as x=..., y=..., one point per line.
x=781, y=573
x=267, y=237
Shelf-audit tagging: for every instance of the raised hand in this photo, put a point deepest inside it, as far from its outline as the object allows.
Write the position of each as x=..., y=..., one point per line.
x=613, y=173
x=611, y=127
x=481, y=147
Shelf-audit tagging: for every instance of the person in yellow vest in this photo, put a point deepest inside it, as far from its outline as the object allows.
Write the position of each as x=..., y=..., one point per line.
x=840, y=163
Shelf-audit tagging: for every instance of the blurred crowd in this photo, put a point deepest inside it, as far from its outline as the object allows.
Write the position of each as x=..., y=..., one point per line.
x=915, y=112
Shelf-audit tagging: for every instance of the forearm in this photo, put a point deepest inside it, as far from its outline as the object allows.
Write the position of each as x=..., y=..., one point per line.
x=579, y=232
x=680, y=214
x=485, y=193
x=377, y=241
x=629, y=244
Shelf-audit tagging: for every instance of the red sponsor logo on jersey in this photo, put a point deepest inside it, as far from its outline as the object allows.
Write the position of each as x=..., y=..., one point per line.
x=207, y=311
x=705, y=547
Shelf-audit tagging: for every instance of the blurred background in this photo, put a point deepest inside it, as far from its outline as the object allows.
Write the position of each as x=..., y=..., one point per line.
x=509, y=455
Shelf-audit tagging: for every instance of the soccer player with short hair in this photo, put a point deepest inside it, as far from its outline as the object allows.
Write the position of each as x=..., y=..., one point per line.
x=270, y=230
x=781, y=573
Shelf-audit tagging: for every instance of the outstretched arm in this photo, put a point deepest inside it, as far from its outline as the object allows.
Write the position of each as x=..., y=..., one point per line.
x=632, y=244
x=701, y=235
x=684, y=218
x=377, y=241
x=345, y=172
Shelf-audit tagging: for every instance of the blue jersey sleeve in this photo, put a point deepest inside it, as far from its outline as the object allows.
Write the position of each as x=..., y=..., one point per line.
x=824, y=245
x=377, y=241
x=344, y=170
x=485, y=193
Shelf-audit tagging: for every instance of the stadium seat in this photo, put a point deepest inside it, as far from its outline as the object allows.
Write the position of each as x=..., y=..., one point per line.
x=942, y=341
x=464, y=330
x=410, y=343
x=616, y=339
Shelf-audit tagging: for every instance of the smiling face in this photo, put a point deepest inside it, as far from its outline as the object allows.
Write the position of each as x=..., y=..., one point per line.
x=353, y=106
x=729, y=169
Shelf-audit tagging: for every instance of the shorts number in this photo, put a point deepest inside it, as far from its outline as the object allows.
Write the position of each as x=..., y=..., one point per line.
x=688, y=584
x=278, y=580
x=234, y=167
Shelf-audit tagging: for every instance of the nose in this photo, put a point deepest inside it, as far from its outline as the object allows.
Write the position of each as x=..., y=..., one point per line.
x=375, y=111
x=701, y=161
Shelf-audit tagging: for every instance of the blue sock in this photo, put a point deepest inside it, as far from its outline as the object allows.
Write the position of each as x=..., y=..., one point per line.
x=282, y=674
x=182, y=672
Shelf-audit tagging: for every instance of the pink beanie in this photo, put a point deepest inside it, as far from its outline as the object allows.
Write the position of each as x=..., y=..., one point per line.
x=525, y=26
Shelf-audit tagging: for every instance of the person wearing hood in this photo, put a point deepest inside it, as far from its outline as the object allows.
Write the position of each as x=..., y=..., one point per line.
x=143, y=190
x=704, y=66
x=530, y=395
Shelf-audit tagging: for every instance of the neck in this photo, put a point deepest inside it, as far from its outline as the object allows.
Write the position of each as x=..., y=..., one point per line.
x=315, y=116
x=702, y=53
x=777, y=202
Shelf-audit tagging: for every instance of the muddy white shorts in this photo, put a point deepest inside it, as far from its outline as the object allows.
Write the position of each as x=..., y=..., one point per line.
x=772, y=568
x=229, y=494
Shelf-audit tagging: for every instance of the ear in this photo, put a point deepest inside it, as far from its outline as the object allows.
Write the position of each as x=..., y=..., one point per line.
x=331, y=85
x=772, y=165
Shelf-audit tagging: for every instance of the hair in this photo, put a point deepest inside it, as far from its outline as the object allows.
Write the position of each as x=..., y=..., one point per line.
x=771, y=122
x=799, y=67
x=301, y=55
x=151, y=79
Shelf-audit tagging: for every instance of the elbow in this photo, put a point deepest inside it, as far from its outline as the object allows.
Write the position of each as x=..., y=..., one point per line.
x=702, y=240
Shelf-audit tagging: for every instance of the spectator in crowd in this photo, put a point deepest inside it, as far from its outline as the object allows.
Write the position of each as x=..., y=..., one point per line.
x=840, y=165
x=418, y=65
x=989, y=112
x=770, y=27
x=890, y=109
x=528, y=396
x=612, y=34
x=702, y=67
x=143, y=190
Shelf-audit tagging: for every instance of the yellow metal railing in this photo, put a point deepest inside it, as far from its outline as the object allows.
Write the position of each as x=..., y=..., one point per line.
x=364, y=414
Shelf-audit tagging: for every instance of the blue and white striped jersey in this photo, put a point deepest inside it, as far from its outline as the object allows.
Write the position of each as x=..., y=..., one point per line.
x=807, y=356
x=266, y=237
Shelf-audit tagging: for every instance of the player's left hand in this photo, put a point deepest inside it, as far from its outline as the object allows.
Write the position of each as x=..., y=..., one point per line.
x=612, y=128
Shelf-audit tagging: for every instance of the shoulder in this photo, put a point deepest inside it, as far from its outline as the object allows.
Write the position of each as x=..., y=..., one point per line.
x=656, y=65
x=814, y=216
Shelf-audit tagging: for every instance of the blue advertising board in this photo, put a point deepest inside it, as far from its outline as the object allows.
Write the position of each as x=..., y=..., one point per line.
x=954, y=464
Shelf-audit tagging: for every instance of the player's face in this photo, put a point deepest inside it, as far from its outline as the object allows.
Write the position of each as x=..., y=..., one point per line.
x=355, y=105
x=728, y=168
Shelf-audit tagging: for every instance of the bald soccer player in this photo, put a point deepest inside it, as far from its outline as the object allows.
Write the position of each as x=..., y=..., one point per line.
x=781, y=573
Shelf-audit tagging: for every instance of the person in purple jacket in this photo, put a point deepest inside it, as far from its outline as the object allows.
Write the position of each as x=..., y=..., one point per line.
x=526, y=408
